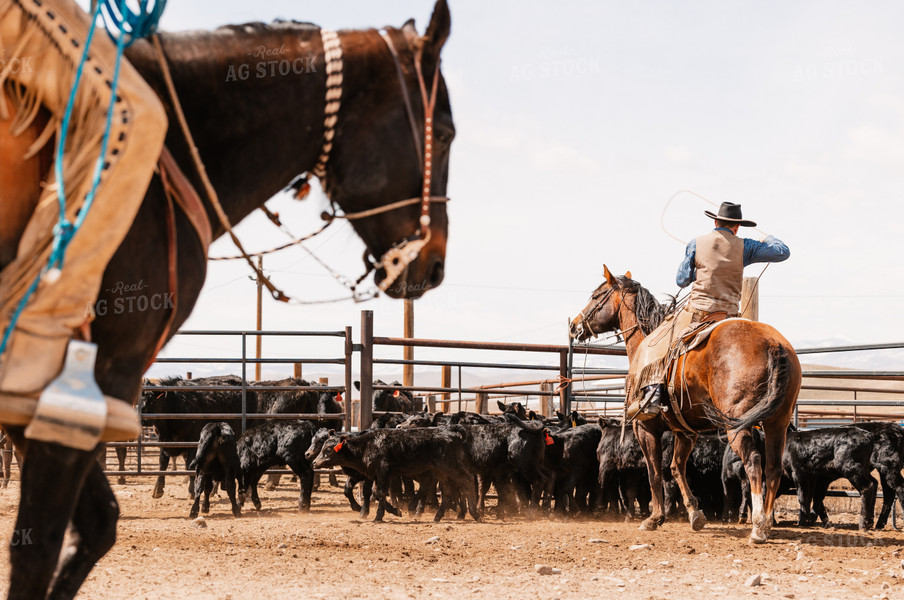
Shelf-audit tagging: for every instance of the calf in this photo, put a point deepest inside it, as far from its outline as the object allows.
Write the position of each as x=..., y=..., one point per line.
x=216, y=460
x=428, y=454
x=623, y=471
x=391, y=400
x=352, y=478
x=510, y=456
x=888, y=460
x=577, y=473
x=813, y=459
x=277, y=443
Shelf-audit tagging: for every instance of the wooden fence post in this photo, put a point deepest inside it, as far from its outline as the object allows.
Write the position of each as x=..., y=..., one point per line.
x=750, y=299
x=546, y=403
x=367, y=370
x=480, y=406
x=446, y=382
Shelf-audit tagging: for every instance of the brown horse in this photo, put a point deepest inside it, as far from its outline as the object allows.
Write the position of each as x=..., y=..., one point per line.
x=745, y=373
x=255, y=134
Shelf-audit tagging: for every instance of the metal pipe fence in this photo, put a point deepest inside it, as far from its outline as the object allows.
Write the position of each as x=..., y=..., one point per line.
x=575, y=378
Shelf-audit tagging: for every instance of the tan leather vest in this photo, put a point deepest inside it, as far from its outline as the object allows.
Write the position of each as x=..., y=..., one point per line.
x=719, y=263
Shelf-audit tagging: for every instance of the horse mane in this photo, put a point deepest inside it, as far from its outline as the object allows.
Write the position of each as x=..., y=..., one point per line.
x=261, y=27
x=648, y=311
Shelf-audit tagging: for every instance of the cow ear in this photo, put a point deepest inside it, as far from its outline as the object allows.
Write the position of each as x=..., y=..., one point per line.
x=501, y=405
x=358, y=385
x=610, y=278
x=560, y=416
x=627, y=274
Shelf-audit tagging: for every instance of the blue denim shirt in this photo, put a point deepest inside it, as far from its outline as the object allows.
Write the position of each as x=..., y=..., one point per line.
x=771, y=249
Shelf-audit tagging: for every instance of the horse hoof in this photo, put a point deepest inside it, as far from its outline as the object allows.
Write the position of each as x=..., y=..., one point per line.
x=697, y=519
x=758, y=537
x=157, y=494
x=648, y=525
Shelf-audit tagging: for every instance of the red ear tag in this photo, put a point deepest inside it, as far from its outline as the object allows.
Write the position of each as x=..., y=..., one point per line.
x=338, y=446
x=395, y=394
x=549, y=440
x=338, y=396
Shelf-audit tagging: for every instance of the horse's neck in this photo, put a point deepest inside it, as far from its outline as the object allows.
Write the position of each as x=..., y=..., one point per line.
x=253, y=98
x=627, y=321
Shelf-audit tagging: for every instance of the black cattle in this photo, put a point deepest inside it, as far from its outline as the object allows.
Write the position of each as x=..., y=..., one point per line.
x=438, y=419
x=277, y=443
x=515, y=408
x=192, y=400
x=576, y=468
x=623, y=471
x=814, y=459
x=511, y=456
x=704, y=475
x=216, y=460
x=888, y=460
x=352, y=477
x=391, y=400
x=189, y=400
x=427, y=454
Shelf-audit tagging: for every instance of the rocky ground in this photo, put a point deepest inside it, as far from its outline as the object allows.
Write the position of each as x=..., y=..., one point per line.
x=328, y=553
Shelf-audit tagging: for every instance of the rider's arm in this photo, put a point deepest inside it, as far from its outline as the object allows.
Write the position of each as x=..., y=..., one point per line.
x=686, y=270
x=771, y=249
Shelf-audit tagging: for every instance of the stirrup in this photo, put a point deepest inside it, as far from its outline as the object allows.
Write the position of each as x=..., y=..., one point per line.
x=647, y=407
x=69, y=412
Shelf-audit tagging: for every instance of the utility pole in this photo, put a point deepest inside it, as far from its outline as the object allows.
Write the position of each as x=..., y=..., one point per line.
x=260, y=314
x=408, y=352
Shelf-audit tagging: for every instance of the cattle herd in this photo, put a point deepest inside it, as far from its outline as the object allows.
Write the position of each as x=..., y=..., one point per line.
x=563, y=466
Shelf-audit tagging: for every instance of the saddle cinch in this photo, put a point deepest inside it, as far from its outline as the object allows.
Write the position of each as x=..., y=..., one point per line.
x=657, y=357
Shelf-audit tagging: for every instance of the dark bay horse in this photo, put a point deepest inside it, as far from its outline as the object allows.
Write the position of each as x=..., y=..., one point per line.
x=745, y=373
x=255, y=134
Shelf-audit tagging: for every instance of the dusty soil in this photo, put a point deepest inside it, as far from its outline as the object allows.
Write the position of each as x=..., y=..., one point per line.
x=327, y=553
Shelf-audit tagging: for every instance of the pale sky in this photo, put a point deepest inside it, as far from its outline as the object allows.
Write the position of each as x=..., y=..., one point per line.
x=577, y=121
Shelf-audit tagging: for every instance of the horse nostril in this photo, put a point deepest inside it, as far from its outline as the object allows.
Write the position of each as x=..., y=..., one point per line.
x=436, y=274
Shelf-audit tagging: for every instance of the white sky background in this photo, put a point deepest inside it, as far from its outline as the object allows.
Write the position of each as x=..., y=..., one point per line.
x=576, y=122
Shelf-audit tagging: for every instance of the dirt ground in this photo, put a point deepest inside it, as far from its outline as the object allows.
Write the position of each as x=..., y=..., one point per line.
x=328, y=553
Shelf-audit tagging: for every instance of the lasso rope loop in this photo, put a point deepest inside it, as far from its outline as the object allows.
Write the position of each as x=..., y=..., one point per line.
x=124, y=23
x=124, y=27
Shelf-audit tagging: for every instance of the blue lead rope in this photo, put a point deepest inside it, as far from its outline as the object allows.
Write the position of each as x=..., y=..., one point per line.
x=124, y=27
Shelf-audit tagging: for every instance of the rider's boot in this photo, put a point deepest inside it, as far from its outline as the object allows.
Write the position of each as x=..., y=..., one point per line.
x=650, y=405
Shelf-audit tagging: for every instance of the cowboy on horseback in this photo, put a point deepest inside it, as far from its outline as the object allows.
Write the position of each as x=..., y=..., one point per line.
x=713, y=266
x=75, y=77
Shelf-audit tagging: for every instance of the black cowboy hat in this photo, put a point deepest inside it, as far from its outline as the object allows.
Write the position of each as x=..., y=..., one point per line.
x=731, y=212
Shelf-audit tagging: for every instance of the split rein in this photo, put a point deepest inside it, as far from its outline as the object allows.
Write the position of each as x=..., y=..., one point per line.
x=397, y=259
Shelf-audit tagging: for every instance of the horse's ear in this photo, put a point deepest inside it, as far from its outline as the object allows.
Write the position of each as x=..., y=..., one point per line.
x=438, y=30
x=627, y=274
x=610, y=278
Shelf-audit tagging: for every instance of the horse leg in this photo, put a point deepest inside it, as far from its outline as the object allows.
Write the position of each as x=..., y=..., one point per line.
x=742, y=444
x=775, y=432
x=91, y=534
x=46, y=507
x=651, y=446
x=684, y=445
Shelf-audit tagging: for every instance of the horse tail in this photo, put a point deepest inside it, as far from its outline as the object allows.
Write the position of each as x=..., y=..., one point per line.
x=776, y=388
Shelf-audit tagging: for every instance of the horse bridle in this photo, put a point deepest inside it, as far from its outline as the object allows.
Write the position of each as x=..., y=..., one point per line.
x=586, y=322
x=395, y=260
